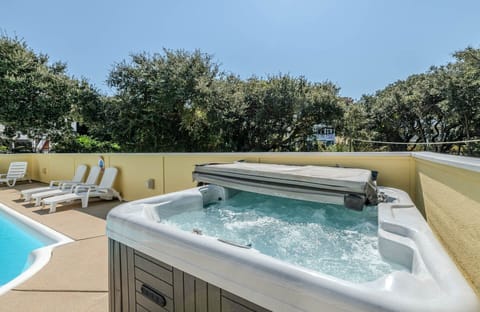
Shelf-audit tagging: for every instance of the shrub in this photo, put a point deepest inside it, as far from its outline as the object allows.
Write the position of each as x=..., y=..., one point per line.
x=84, y=144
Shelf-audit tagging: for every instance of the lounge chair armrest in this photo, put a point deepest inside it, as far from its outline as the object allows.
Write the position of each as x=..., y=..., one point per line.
x=83, y=187
x=101, y=189
x=72, y=185
x=67, y=184
x=58, y=182
x=88, y=185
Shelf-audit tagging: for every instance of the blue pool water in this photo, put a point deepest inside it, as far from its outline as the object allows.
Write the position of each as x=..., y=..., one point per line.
x=15, y=246
x=323, y=237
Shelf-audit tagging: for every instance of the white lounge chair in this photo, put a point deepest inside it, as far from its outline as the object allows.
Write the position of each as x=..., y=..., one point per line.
x=67, y=187
x=56, y=184
x=83, y=192
x=16, y=171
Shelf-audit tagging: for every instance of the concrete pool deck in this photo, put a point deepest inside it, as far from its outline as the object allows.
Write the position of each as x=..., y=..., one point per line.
x=76, y=277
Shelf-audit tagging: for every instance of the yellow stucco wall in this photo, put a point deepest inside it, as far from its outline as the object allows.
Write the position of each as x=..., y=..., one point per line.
x=173, y=172
x=133, y=173
x=6, y=159
x=179, y=167
x=47, y=167
x=451, y=199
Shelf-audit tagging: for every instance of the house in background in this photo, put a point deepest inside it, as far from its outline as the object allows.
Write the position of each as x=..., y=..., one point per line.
x=324, y=134
x=17, y=142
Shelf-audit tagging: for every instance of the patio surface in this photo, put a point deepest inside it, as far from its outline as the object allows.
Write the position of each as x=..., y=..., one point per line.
x=76, y=277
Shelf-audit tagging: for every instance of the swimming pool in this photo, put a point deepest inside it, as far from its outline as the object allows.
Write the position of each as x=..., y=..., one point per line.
x=25, y=247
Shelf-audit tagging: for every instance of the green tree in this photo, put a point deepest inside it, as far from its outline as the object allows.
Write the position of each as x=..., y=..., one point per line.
x=163, y=101
x=440, y=105
x=466, y=102
x=37, y=98
x=279, y=112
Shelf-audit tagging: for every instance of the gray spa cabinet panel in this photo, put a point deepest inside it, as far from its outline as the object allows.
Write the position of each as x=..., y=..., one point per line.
x=131, y=271
x=233, y=303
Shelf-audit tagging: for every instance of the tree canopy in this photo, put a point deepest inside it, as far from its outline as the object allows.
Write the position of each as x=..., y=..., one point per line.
x=441, y=105
x=38, y=98
x=181, y=101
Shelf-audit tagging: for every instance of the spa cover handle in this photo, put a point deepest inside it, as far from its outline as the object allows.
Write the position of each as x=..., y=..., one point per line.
x=153, y=295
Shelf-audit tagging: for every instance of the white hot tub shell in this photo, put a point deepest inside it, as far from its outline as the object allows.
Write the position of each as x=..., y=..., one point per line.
x=432, y=283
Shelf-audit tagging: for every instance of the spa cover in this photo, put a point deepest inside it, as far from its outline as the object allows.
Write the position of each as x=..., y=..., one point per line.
x=348, y=186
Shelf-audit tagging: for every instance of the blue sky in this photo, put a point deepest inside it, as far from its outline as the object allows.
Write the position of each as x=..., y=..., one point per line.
x=360, y=45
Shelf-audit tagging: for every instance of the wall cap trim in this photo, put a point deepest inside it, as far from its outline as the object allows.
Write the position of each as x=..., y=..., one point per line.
x=463, y=162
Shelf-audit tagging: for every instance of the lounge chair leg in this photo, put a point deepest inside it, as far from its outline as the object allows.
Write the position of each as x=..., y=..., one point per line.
x=37, y=201
x=117, y=195
x=84, y=202
x=53, y=207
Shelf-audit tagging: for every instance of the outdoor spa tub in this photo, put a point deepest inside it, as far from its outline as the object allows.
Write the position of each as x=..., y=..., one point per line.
x=280, y=238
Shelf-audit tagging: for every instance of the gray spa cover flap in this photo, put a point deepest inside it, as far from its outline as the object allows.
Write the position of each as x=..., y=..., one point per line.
x=314, y=183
